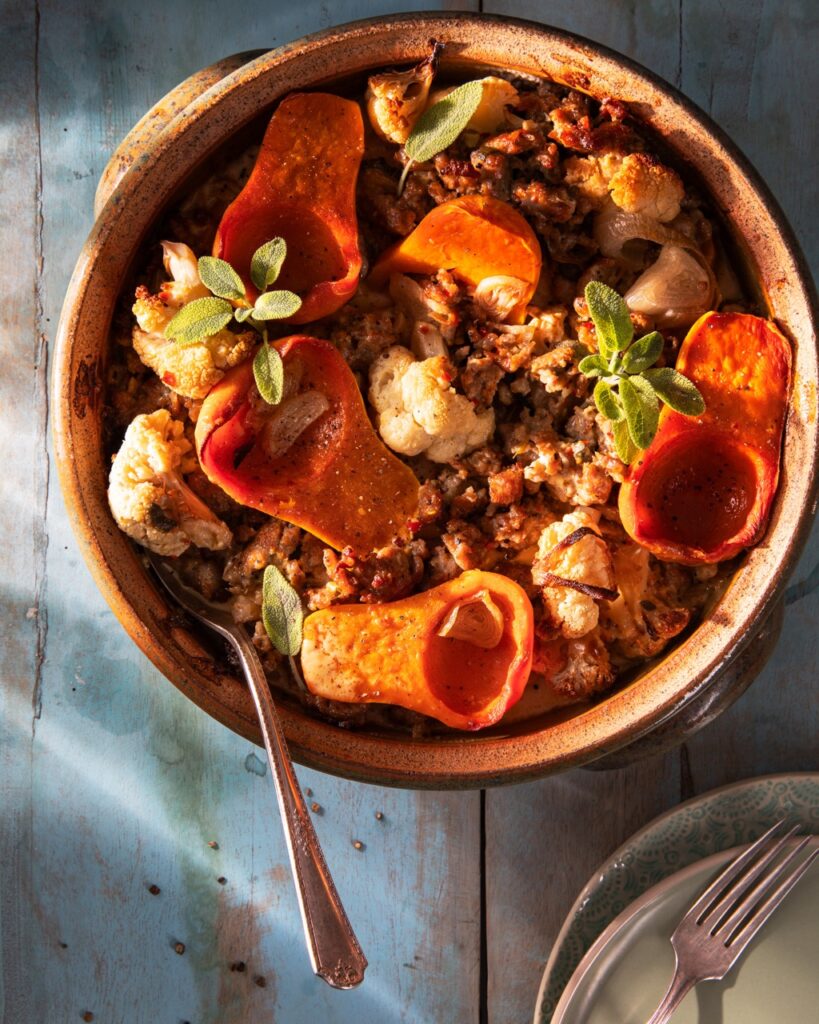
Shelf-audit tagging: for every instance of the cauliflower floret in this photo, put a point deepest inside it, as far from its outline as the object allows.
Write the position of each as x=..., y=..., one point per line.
x=586, y=561
x=590, y=177
x=640, y=622
x=418, y=410
x=586, y=669
x=395, y=422
x=189, y=370
x=546, y=325
x=148, y=496
x=396, y=99
x=644, y=185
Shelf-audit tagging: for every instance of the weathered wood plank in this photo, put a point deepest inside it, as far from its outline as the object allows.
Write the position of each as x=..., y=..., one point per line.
x=750, y=67
x=649, y=32
x=558, y=831
x=544, y=840
x=131, y=782
x=23, y=489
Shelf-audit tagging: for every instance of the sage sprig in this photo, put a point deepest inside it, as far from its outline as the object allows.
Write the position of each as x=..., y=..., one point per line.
x=268, y=372
x=629, y=390
x=202, y=318
x=199, y=319
x=440, y=125
x=282, y=613
x=266, y=263
x=219, y=277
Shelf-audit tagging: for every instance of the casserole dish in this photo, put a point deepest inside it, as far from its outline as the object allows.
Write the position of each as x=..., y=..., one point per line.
x=687, y=686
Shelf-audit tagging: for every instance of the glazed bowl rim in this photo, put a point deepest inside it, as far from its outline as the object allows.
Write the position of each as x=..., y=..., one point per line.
x=443, y=762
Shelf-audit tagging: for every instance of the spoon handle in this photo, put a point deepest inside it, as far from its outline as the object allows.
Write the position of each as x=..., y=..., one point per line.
x=334, y=951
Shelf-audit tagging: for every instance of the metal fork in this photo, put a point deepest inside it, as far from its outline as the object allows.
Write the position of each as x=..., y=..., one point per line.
x=335, y=954
x=716, y=931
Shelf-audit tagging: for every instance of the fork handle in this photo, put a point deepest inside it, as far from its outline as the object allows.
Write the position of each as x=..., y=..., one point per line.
x=334, y=951
x=680, y=986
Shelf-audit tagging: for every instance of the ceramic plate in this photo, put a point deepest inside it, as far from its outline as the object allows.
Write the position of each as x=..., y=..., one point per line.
x=708, y=824
x=623, y=976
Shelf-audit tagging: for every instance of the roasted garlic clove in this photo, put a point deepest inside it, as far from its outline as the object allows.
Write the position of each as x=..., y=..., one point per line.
x=291, y=418
x=478, y=621
x=675, y=290
x=490, y=115
x=499, y=297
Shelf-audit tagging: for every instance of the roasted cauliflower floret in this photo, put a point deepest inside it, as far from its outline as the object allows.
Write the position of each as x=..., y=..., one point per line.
x=590, y=177
x=396, y=99
x=640, y=622
x=585, y=669
x=147, y=493
x=644, y=185
x=419, y=411
x=587, y=561
x=189, y=370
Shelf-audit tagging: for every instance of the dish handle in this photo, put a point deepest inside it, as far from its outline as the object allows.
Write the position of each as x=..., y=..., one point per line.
x=157, y=119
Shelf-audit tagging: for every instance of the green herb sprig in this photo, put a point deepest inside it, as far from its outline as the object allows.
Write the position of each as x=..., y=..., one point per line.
x=282, y=613
x=440, y=125
x=629, y=391
x=202, y=318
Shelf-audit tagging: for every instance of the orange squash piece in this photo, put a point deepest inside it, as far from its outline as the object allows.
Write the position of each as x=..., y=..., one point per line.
x=302, y=189
x=473, y=236
x=395, y=654
x=315, y=459
x=703, y=489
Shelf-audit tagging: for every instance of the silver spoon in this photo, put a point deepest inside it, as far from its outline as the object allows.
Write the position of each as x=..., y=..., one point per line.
x=335, y=954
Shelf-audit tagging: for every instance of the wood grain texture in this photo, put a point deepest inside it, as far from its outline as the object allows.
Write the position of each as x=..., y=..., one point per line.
x=23, y=491
x=740, y=64
x=123, y=784
x=110, y=782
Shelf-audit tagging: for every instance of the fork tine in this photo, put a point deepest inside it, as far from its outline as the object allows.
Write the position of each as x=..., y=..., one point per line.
x=727, y=902
x=751, y=902
x=735, y=868
x=740, y=939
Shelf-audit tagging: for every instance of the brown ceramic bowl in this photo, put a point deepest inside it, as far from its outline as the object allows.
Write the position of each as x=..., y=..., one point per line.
x=686, y=687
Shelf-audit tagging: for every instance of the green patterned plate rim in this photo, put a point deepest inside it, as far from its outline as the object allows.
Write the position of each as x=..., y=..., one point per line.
x=715, y=821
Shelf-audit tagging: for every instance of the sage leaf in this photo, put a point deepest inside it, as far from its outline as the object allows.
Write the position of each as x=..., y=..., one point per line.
x=266, y=263
x=268, y=372
x=642, y=410
x=242, y=313
x=643, y=353
x=611, y=319
x=607, y=401
x=199, y=319
x=676, y=390
x=441, y=124
x=220, y=278
x=593, y=366
x=282, y=612
x=276, y=305
x=624, y=446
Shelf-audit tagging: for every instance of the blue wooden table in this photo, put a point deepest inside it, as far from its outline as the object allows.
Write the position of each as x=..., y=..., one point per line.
x=143, y=875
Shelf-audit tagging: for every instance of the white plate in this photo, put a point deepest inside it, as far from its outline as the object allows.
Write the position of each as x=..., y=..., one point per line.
x=710, y=823
x=623, y=976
